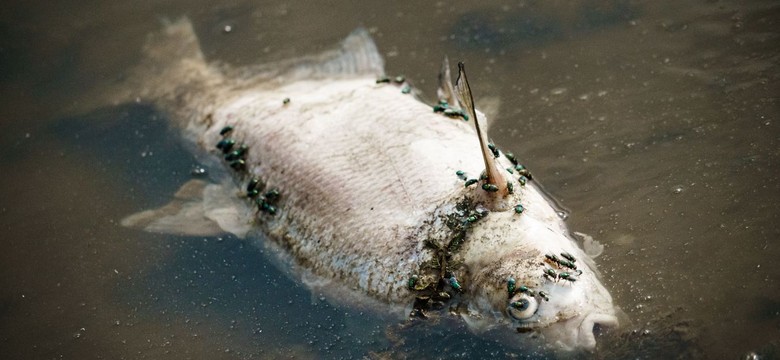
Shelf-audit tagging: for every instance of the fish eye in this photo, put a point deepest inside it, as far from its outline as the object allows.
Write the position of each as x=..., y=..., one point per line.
x=522, y=307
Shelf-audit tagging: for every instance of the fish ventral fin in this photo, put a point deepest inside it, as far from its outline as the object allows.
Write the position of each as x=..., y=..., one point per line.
x=494, y=175
x=197, y=209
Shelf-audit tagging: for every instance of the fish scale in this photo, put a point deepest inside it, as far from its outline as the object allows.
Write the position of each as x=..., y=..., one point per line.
x=319, y=159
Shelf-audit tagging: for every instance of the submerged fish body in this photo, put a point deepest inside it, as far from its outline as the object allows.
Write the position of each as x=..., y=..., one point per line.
x=355, y=182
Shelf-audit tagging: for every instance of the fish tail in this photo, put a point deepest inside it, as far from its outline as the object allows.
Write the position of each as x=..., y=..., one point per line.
x=171, y=56
x=172, y=66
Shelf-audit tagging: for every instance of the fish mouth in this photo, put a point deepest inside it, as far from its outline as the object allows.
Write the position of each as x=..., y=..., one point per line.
x=592, y=325
x=579, y=333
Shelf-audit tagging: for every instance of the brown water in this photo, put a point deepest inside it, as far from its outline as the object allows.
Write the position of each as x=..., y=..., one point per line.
x=655, y=125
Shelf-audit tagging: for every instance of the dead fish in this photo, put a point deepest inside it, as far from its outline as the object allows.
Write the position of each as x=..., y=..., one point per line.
x=352, y=181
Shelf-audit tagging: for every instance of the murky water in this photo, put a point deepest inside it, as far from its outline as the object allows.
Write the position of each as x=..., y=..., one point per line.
x=655, y=125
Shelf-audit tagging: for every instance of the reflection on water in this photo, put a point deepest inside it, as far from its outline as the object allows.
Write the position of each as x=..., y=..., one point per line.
x=655, y=125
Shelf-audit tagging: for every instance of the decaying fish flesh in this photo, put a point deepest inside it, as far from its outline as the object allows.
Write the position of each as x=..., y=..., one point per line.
x=368, y=193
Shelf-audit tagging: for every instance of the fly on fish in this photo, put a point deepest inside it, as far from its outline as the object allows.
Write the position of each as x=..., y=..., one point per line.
x=374, y=206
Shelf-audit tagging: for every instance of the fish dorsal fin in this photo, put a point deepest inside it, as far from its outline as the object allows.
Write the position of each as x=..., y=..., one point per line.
x=446, y=92
x=357, y=55
x=494, y=176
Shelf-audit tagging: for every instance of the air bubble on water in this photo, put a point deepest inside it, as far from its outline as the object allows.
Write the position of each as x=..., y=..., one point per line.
x=198, y=171
x=228, y=29
x=558, y=91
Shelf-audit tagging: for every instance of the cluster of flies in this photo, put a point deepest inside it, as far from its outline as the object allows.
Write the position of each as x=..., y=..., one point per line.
x=444, y=108
x=235, y=156
x=448, y=279
x=566, y=262
x=522, y=171
x=432, y=295
x=512, y=289
x=432, y=292
x=406, y=88
x=566, y=265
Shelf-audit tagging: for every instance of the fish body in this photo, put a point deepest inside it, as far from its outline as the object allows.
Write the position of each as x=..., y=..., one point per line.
x=370, y=200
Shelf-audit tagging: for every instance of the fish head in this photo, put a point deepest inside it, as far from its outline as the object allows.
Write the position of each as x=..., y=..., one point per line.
x=521, y=278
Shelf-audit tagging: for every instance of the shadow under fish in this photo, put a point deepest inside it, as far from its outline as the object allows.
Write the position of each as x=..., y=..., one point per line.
x=136, y=145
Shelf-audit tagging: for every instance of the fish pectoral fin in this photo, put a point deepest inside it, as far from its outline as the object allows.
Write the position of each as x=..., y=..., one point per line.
x=197, y=209
x=592, y=247
x=463, y=91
